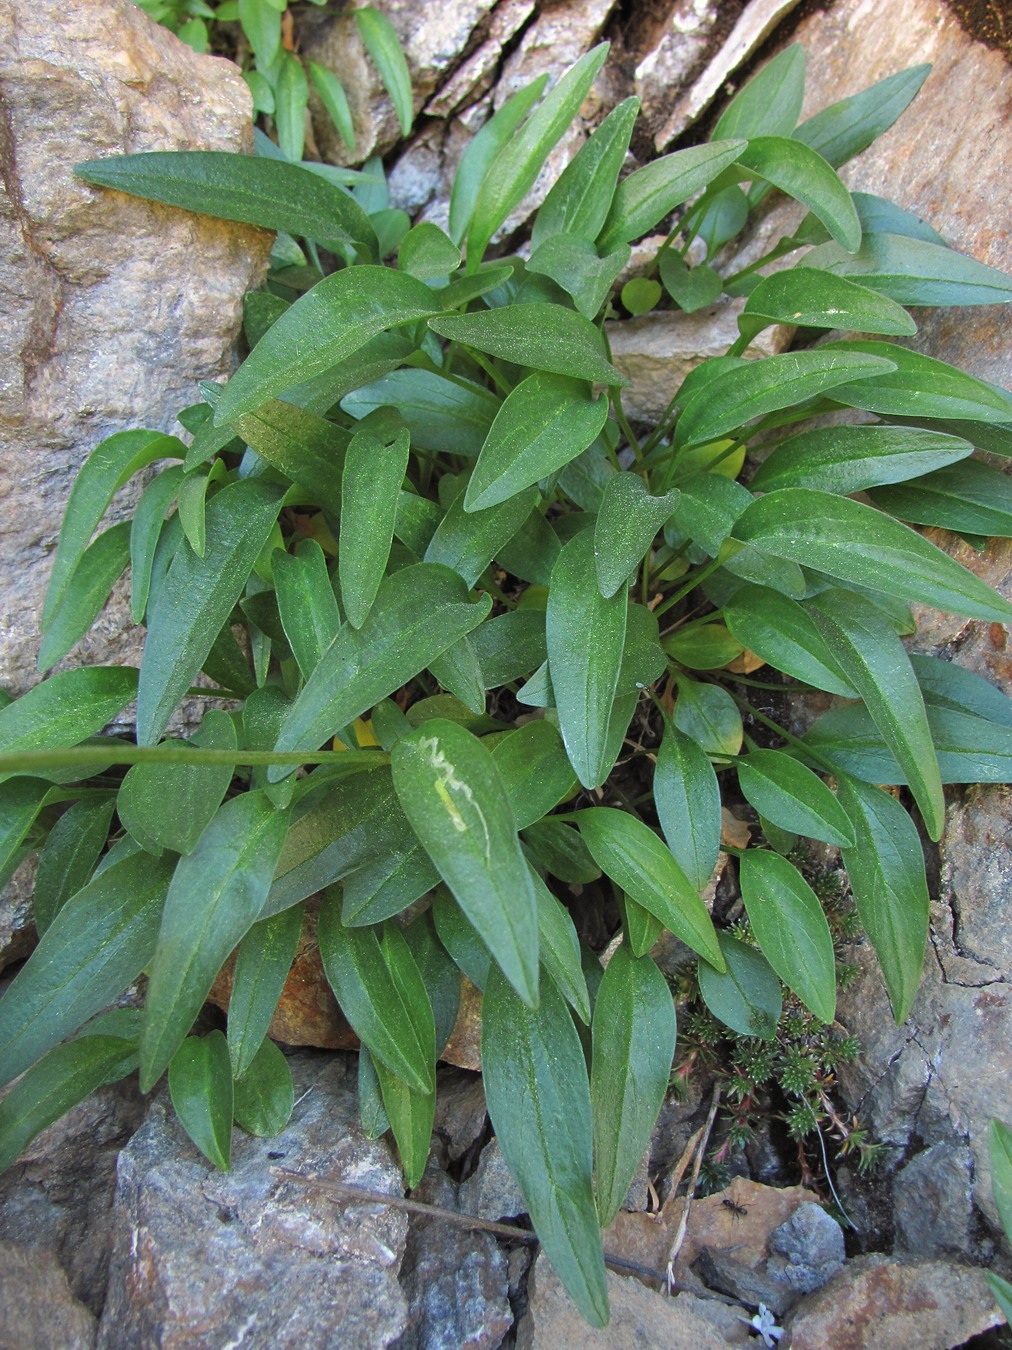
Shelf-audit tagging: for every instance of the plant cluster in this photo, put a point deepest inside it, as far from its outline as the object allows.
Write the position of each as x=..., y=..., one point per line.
x=419, y=498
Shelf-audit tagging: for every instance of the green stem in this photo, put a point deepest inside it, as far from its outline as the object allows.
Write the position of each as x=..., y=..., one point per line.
x=680, y=594
x=623, y=421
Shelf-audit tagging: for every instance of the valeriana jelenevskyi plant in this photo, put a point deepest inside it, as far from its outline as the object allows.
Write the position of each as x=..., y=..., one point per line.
x=484, y=642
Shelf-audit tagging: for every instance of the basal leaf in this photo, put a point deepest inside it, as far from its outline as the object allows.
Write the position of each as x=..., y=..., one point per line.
x=812, y=298
x=999, y=1147
x=844, y=129
x=291, y=98
x=971, y=498
x=793, y=797
x=467, y=541
x=541, y=336
x=145, y=531
x=261, y=968
x=382, y=43
x=770, y=104
x=801, y=172
x=647, y=195
x=780, y=631
x=627, y=523
x=535, y=770
x=708, y=715
x=687, y=800
x=306, y=603
x=919, y=386
x=509, y=646
x=200, y=1084
x=852, y=459
x=265, y=1095
x=746, y=996
x=791, y=928
x=370, y=487
x=335, y=100
x=67, y=859
x=559, y=949
x=575, y=265
x=428, y=253
x=915, y=271
x=450, y=417
x=578, y=201
x=85, y=594
x=65, y=709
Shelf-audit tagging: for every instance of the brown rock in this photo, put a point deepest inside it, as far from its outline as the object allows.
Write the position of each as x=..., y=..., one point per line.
x=464, y=1046
x=37, y=1309
x=893, y=1305
x=114, y=307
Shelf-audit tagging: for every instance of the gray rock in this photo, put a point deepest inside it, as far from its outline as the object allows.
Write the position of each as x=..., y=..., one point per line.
x=461, y=1114
x=812, y=1244
x=475, y=76
x=491, y=1192
x=665, y=68
x=115, y=308
x=748, y=1284
x=933, y=1203
x=37, y=1309
x=17, y=928
x=202, y=1258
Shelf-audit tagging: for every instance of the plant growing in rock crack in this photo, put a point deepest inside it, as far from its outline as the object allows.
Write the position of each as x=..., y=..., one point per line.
x=419, y=502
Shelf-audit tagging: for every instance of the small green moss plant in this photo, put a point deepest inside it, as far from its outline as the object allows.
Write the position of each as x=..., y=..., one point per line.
x=480, y=636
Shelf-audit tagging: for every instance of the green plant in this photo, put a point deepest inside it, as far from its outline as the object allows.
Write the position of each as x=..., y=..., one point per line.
x=419, y=501
x=276, y=75
x=1000, y=1150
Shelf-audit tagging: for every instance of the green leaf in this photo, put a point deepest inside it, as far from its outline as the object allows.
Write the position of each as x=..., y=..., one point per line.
x=231, y=870
x=886, y=872
x=999, y=1147
x=803, y=173
x=724, y=217
x=708, y=715
x=560, y=850
x=687, y=800
x=708, y=508
x=559, y=948
x=532, y=552
x=460, y=938
x=873, y=659
x=738, y=395
x=468, y=541
x=640, y=295
x=481, y=152
x=335, y=100
x=249, y=188
x=62, y=1079
x=398, y=1033
x=545, y=422
x=634, y=858
x=535, y=770
x=419, y=612
x=746, y=997
x=640, y=928
x=578, y=201
x=538, y=1096
x=200, y=1084
x=574, y=265
x=291, y=98
x=265, y=957
x=67, y=859
x=539, y=336
x=690, y=288
x=102, y=938
x=374, y=470
x=770, y=104
x=111, y=464
x=780, y=631
x=459, y=807
x=1002, y=1291
x=633, y=1047
x=791, y=928
x=793, y=797
x=306, y=603
x=439, y=975
x=382, y=43
x=852, y=459
x=447, y=417
x=706, y=646
x=946, y=685
x=509, y=646
x=586, y=636
x=915, y=271
x=427, y=252
x=521, y=158
x=197, y=597
x=324, y=327
x=627, y=523
x=305, y=448
x=265, y=1095
x=21, y=800
x=810, y=298
x=86, y=593
x=857, y=544
x=649, y=194
x=844, y=129
x=65, y=709
x=920, y=387
x=261, y=22
x=458, y=671
x=371, y=1111
x=971, y=498
x=145, y=531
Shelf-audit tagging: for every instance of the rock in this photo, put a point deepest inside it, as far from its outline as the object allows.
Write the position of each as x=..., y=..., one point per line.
x=666, y=67
x=933, y=1203
x=461, y=1115
x=464, y=1046
x=203, y=1258
x=115, y=307
x=476, y=75
x=37, y=1309
x=491, y=1192
x=811, y=1241
x=59, y=1193
x=751, y=1285
x=640, y=1319
x=894, y=1305
x=17, y=928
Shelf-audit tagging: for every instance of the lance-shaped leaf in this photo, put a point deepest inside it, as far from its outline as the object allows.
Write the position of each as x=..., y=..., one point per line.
x=145, y=531
x=633, y=1035
x=428, y=253
x=632, y=855
x=575, y=265
x=398, y=1033
x=538, y=1095
x=647, y=195
x=946, y=685
x=586, y=636
x=291, y=96
x=560, y=850
x=742, y=393
x=791, y=928
x=458, y=806
x=811, y=298
x=439, y=974
x=265, y=1094
x=419, y=612
x=856, y=543
x=200, y=1084
x=382, y=43
x=510, y=645
x=468, y=541
x=65, y=709
x=521, y=159
x=886, y=872
x=999, y=1142
x=258, y=977
x=197, y=597
x=803, y=174
x=844, y=129
x=851, y=459
x=915, y=271
x=538, y=335
x=972, y=498
x=370, y=487
x=920, y=386
x=780, y=631
x=545, y=422
x=709, y=715
x=231, y=870
x=249, y=188
x=305, y=448
x=67, y=859
x=793, y=797
x=687, y=800
x=535, y=770
x=559, y=948
x=448, y=417
x=102, y=938
x=578, y=202
x=335, y=100
x=770, y=104
x=746, y=996
x=21, y=800
x=627, y=522
x=325, y=326
x=307, y=605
